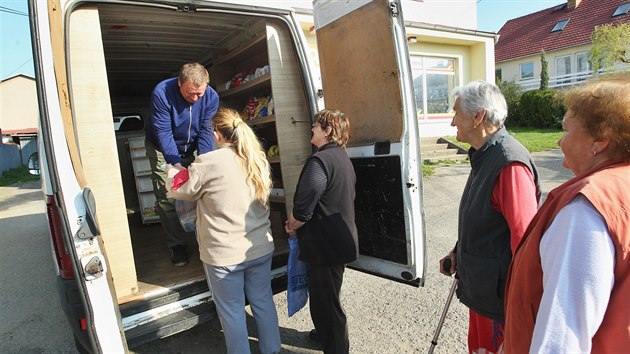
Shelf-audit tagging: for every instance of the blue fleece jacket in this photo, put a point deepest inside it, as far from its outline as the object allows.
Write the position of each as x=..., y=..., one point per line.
x=177, y=127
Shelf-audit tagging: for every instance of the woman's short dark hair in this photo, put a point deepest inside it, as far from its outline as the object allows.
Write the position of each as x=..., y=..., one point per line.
x=338, y=123
x=602, y=105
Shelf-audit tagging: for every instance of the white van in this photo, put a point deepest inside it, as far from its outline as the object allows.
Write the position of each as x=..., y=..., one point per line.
x=96, y=63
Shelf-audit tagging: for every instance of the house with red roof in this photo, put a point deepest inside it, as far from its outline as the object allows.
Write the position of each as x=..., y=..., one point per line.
x=563, y=32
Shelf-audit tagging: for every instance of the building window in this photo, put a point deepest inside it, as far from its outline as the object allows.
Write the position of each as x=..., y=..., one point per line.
x=433, y=80
x=583, y=66
x=527, y=70
x=622, y=9
x=498, y=75
x=563, y=69
x=560, y=25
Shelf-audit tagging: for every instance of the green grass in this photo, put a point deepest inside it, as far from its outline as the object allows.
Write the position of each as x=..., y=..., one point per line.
x=428, y=169
x=534, y=140
x=17, y=175
x=537, y=139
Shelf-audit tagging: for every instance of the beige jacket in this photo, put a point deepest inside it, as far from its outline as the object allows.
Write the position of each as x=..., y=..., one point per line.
x=232, y=226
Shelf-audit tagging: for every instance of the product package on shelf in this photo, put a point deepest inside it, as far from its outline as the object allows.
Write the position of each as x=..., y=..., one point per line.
x=245, y=76
x=258, y=107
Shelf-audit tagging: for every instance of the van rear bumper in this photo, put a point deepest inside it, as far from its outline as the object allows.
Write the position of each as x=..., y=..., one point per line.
x=73, y=308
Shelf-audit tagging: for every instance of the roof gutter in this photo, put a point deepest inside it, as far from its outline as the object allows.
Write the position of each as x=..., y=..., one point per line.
x=453, y=30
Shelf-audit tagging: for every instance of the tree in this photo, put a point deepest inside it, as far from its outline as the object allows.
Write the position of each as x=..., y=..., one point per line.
x=611, y=46
x=544, y=73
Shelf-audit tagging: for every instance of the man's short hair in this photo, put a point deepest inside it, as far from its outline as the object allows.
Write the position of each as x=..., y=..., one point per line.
x=195, y=73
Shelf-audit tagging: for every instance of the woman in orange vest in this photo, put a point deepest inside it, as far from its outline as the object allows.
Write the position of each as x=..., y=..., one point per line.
x=569, y=281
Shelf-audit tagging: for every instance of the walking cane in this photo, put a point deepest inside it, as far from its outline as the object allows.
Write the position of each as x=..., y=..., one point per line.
x=446, y=265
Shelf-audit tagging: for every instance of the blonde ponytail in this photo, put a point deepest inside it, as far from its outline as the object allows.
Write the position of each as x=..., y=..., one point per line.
x=248, y=148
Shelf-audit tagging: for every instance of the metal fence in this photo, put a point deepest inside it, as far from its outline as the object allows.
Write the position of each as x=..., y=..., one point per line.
x=564, y=81
x=10, y=157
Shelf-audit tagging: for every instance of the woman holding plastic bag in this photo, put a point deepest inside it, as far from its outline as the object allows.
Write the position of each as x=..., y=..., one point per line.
x=323, y=219
x=231, y=186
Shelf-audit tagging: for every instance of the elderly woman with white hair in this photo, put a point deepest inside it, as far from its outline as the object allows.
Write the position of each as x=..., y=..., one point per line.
x=500, y=198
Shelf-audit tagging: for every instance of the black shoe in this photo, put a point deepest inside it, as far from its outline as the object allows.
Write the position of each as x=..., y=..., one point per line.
x=179, y=257
x=313, y=335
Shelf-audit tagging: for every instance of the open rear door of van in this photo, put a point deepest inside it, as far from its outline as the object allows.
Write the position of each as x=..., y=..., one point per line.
x=71, y=202
x=366, y=74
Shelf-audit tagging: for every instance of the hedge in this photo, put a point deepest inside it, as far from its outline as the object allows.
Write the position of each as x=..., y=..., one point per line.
x=540, y=109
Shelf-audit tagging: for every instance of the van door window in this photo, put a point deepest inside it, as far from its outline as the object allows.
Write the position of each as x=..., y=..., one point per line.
x=128, y=123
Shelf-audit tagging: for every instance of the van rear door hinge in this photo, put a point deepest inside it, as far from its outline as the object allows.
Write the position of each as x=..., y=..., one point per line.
x=186, y=8
x=393, y=8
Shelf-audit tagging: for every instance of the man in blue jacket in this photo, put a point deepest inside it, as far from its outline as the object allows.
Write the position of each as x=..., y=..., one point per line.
x=180, y=125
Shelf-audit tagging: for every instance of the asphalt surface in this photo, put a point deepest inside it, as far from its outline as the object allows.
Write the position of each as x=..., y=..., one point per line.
x=383, y=316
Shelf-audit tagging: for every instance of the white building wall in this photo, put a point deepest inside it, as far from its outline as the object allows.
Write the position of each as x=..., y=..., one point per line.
x=19, y=108
x=510, y=70
x=453, y=13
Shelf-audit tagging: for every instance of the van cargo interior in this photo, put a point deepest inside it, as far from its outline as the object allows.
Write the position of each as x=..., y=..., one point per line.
x=254, y=67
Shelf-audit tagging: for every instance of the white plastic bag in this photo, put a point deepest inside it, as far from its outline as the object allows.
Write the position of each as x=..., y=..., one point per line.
x=187, y=214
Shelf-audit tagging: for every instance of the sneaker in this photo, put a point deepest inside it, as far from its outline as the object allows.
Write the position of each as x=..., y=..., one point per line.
x=313, y=335
x=179, y=257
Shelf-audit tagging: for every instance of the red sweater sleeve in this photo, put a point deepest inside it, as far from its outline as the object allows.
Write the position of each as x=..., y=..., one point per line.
x=514, y=196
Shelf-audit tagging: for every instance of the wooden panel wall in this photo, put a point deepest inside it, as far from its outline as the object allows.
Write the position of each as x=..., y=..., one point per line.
x=290, y=102
x=360, y=73
x=97, y=144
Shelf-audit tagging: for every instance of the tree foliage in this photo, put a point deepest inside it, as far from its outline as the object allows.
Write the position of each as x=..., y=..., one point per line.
x=512, y=93
x=611, y=46
x=544, y=72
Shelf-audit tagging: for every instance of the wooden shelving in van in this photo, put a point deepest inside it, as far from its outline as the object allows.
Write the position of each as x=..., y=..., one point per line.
x=262, y=120
x=255, y=84
x=257, y=44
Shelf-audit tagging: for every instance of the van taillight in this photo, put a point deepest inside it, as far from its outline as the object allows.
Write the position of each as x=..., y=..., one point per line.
x=54, y=222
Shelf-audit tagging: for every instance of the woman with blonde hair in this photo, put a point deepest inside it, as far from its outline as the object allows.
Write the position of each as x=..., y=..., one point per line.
x=231, y=186
x=568, y=286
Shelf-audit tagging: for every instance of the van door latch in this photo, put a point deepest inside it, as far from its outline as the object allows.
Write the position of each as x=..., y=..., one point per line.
x=89, y=228
x=94, y=268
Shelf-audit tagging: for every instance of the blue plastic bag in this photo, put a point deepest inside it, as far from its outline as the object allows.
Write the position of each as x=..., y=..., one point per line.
x=187, y=214
x=297, y=288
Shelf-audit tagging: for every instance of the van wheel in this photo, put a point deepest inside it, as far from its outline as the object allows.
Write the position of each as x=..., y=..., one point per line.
x=79, y=346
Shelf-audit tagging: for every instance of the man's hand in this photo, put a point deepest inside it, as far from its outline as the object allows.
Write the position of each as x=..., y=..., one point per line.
x=172, y=170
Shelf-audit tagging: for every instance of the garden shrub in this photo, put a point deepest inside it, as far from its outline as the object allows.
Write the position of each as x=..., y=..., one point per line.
x=541, y=109
x=512, y=92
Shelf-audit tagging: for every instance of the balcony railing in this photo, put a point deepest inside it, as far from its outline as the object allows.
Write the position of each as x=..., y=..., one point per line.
x=557, y=82
x=564, y=81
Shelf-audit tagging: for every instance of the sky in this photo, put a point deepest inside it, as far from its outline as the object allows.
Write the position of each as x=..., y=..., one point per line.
x=15, y=42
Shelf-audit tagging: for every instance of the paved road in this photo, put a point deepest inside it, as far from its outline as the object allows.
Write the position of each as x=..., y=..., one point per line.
x=31, y=320
x=384, y=316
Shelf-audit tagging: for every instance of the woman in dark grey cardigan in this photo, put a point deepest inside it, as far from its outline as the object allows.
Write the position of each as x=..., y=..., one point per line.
x=323, y=219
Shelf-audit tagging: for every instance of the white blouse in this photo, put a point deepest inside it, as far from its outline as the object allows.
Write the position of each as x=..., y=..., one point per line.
x=578, y=261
